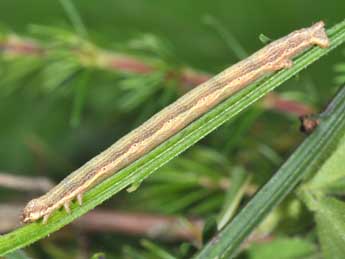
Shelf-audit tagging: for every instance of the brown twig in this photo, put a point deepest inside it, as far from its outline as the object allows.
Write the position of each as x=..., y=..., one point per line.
x=23, y=183
x=111, y=221
x=123, y=63
x=137, y=224
x=127, y=64
x=142, y=224
x=9, y=217
x=276, y=102
x=224, y=184
x=17, y=46
x=131, y=223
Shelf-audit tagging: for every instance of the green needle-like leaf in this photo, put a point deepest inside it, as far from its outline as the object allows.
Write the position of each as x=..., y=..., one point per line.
x=332, y=172
x=233, y=196
x=307, y=159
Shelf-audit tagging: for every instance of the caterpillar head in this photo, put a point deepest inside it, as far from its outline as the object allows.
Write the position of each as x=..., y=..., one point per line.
x=33, y=211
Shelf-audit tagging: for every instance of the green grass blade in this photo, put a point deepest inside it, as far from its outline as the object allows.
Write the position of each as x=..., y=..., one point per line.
x=145, y=166
x=233, y=197
x=305, y=160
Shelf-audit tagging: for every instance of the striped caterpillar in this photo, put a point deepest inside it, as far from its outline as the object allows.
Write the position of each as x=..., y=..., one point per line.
x=273, y=57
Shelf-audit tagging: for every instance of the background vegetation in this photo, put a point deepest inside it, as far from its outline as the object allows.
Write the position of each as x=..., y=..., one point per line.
x=60, y=110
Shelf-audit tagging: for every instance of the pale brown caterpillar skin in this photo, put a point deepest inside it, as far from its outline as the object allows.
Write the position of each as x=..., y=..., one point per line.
x=273, y=57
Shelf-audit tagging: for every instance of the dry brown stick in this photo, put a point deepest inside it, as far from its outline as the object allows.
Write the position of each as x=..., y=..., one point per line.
x=275, y=102
x=9, y=215
x=123, y=63
x=23, y=183
x=139, y=224
x=142, y=224
x=112, y=221
x=131, y=223
x=13, y=44
x=224, y=184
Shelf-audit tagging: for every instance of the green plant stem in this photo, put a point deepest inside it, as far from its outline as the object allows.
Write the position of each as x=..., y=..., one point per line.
x=305, y=160
x=145, y=166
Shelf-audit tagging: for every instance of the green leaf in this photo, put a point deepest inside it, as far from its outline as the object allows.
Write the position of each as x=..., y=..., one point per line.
x=157, y=251
x=331, y=172
x=58, y=72
x=138, y=89
x=98, y=256
x=152, y=44
x=330, y=221
x=146, y=165
x=239, y=182
x=282, y=248
x=15, y=69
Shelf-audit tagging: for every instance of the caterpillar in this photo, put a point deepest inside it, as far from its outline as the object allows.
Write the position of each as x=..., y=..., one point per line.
x=275, y=56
